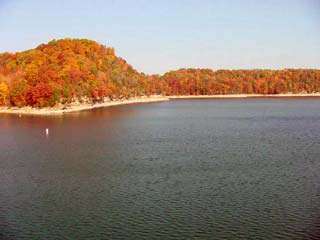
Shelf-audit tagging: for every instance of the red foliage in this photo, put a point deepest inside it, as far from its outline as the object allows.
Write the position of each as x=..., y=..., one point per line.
x=39, y=95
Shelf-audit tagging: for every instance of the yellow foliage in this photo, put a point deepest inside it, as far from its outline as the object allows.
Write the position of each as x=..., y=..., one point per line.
x=4, y=93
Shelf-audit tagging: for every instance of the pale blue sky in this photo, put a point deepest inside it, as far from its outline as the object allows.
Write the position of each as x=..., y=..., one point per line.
x=157, y=36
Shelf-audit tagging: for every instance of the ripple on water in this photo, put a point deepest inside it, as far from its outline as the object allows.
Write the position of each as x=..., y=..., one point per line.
x=181, y=170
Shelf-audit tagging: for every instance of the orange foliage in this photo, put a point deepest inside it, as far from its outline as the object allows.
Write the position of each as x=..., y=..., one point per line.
x=4, y=93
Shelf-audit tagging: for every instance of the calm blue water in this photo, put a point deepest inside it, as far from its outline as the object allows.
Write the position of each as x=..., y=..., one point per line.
x=184, y=169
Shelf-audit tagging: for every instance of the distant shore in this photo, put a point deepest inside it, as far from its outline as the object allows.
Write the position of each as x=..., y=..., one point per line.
x=76, y=107
x=246, y=96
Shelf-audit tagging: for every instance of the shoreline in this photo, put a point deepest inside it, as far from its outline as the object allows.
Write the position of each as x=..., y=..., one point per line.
x=282, y=95
x=77, y=107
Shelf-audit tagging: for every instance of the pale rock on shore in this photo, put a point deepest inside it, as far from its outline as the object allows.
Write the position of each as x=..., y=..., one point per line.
x=76, y=107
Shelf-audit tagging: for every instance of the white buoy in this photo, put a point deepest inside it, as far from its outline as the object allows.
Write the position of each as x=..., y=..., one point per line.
x=47, y=131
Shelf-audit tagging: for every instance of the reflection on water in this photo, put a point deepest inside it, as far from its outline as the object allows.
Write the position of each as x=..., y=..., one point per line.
x=199, y=169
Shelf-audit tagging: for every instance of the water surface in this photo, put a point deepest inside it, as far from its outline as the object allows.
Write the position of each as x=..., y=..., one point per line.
x=184, y=169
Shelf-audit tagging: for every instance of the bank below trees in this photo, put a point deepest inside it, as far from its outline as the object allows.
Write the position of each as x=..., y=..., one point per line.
x=77, y=107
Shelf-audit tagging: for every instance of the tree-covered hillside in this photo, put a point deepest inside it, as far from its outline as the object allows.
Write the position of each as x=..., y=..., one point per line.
x=209, y=82
x=64, y=71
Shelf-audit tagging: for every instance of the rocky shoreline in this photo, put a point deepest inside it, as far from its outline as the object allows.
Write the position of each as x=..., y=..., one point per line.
x=76, y=107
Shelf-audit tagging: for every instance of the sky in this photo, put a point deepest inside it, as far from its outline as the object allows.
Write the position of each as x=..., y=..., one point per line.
x=158, y=36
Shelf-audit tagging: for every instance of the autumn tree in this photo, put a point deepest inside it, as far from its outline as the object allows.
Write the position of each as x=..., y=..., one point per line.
x=4, y=93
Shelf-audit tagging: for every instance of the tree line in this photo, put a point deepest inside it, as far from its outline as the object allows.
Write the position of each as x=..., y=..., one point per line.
x=68, y=70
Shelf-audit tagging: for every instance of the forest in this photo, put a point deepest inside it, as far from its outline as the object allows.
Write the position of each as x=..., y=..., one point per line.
x=68, y=70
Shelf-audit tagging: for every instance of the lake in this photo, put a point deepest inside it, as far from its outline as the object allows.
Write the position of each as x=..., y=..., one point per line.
x=183, y=169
